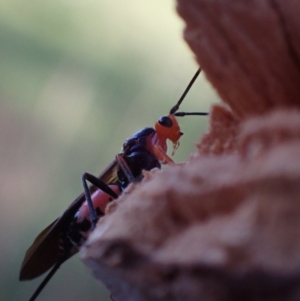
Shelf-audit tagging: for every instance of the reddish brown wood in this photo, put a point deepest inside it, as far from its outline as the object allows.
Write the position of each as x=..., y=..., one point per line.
x=249, y=50
x=225, y=226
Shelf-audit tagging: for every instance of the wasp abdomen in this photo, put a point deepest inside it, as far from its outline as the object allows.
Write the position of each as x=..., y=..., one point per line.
x=80, y=227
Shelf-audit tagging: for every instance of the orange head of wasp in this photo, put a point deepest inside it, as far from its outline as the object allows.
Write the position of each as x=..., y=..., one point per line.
x=167, y=127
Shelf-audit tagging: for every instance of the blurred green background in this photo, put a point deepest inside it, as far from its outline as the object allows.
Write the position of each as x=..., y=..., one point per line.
x=76, y=79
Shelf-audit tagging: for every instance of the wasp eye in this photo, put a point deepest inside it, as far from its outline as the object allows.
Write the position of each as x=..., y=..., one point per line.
x=165, y=121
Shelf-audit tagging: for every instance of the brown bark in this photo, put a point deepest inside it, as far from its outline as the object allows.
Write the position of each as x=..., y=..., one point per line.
x=225, y=225
x=249, y=50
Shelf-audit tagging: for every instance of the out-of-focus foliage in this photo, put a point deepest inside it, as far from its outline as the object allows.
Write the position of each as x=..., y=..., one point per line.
x=76, y=79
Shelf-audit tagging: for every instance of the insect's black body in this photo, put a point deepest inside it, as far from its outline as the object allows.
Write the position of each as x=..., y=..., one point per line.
x=145, y=150
x=137, y=156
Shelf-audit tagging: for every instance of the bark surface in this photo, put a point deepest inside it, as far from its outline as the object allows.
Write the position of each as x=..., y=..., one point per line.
x=225, y=225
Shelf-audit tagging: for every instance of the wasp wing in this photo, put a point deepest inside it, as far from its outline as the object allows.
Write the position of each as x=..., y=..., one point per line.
x=45, y=250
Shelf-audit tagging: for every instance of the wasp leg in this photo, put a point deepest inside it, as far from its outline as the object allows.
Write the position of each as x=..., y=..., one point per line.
x=99, y=184
x=125, y=168
x=49, y=275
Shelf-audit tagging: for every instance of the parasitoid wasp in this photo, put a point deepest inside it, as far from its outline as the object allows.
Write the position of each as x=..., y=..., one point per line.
x=144, y=150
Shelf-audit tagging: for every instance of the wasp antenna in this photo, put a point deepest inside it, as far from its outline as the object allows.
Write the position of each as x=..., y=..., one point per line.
x=181, y=114
x=46, y=280
x=176, y=107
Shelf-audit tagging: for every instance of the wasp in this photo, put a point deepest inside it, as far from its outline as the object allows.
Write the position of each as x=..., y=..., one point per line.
x=144, y=150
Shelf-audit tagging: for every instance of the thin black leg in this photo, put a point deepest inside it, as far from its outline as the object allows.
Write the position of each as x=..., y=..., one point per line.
x=102, y=186
x=125, y=168
x=50, y=274
x=45, y=281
